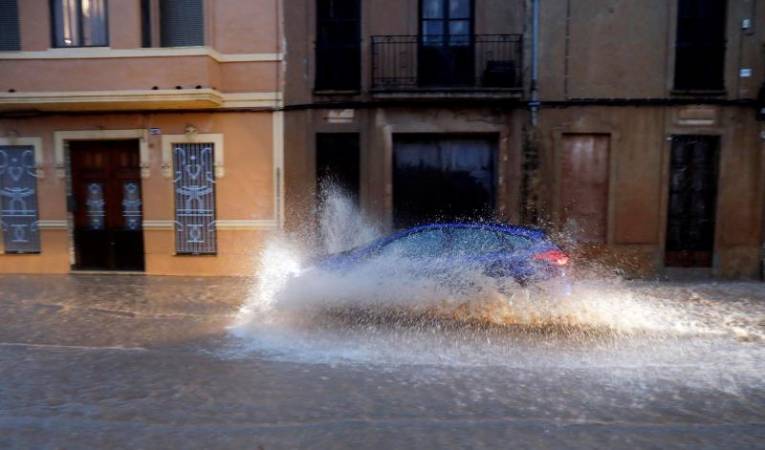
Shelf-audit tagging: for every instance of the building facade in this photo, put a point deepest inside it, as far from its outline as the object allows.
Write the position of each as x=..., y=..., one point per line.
x=172, y=136
x=629, y=127
x=139, y=135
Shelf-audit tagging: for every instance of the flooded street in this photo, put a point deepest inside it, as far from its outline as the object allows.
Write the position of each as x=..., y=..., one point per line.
x=151, y=362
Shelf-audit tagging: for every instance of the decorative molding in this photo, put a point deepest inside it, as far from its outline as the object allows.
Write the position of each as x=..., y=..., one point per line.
x=221, y=224
x=158, y=224
x=252, y=99
x=143, y=99
x=158, y=52
x=168, y=140
x=52, y=224
x=110, y=100
x=36, y=143
x=61, y=138
x=237, y=224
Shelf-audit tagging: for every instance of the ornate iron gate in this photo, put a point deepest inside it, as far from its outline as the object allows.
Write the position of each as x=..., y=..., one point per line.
x=194, y=199
x=18, y=199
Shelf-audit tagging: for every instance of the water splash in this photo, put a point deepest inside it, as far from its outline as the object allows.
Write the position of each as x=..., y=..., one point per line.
x=382, y=310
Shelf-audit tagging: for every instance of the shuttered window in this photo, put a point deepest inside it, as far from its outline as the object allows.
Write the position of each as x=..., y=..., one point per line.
x=181, y=23
x=194, y=198
x=9, y=26
x=18, y=199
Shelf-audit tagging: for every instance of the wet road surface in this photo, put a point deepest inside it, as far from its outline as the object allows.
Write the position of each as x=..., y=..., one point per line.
x=148, y=362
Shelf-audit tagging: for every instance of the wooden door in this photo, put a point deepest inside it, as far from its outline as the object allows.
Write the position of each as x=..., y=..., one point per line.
x=106, y=190
x=692, y=201
x=584, y=187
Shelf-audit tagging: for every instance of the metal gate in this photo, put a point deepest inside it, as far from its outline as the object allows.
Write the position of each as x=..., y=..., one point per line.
x=692, y=201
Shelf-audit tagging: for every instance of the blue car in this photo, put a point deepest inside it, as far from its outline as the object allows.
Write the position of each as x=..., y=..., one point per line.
x=499, y=251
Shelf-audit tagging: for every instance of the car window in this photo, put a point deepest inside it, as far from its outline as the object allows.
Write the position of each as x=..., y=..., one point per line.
x=477, y=241
x=422, y=244
x=514, y=242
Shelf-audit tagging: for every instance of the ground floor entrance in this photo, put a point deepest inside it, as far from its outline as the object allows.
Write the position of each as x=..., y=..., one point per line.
x=443, y=178
x=106, y=205
x=692, y=201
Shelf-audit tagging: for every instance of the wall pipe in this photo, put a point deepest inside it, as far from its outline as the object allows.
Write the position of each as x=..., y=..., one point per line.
x=534, y=97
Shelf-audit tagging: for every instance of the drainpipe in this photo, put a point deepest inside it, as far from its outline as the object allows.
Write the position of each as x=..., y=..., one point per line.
x=534, y=101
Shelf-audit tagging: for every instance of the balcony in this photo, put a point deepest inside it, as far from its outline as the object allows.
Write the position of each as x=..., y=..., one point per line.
x=469, y=64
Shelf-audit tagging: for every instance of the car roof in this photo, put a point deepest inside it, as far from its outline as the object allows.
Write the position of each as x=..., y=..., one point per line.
x=527, y=232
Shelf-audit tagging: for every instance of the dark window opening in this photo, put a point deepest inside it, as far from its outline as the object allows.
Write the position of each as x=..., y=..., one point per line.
x=443, y=178
x=692, y=201
x=338, y=45
x=700, y=45
x=80, y=23
x=338, y=163
x=446, y=43
x=181, y=23
x=146, y=23
x=9, y=26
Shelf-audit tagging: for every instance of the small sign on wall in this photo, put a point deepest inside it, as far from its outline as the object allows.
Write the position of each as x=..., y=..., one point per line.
x=340, y=116
x=155, y=131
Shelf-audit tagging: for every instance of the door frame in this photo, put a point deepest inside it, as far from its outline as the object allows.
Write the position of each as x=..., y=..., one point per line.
x=508, y=164
x=498, y=138
x=724, y=137
x=62, y=161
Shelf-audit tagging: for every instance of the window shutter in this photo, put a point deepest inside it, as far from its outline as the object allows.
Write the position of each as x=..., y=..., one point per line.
x=181, y=23
x=9, y=26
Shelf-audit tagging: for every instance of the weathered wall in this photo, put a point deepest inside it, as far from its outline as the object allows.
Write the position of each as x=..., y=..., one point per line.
x=639, y=174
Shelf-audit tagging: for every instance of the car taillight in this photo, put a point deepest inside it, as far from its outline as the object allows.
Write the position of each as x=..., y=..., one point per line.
x=555, y=257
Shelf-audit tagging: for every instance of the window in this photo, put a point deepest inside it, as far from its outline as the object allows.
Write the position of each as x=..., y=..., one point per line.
x=181, y=23
x=447, y=55
x=9, y=26
x=446, y=22
x=146, y=23
x=700, y=45
x=338, y=44
x=18, y=199
x=423, y=244
x=79, y=23
x=476, y=241
x=194, y=198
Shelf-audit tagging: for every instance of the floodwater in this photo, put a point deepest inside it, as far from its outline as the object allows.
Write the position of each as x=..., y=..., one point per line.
x=377, y=357
x=150, y=362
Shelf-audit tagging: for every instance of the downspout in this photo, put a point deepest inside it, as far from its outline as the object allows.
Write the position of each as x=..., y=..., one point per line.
x=530, y=182
x=534, y=95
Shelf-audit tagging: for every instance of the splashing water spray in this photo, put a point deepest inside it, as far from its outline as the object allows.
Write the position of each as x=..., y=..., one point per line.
x=380, y=311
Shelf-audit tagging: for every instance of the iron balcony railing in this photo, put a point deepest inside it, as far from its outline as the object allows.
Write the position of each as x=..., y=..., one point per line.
x=447, y=62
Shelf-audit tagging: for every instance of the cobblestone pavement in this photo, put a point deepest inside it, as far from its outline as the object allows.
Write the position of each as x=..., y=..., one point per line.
x=148, y=362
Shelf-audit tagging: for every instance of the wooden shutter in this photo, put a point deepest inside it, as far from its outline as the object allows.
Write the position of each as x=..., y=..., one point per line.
x=9, y=26
x=181, y=23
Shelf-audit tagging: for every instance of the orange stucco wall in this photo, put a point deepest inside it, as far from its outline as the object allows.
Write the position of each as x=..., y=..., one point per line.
x=245, y=192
